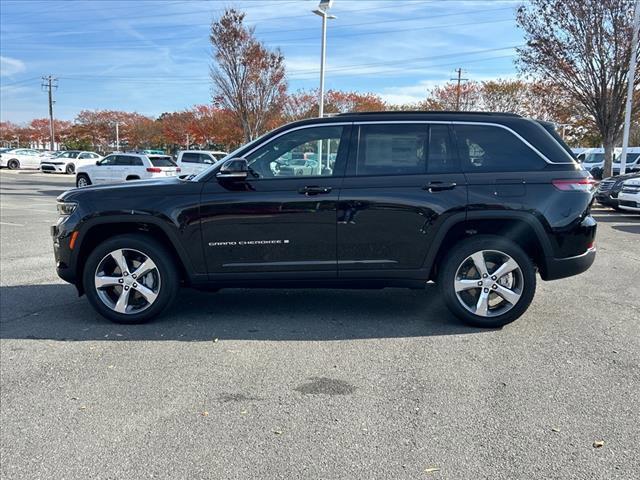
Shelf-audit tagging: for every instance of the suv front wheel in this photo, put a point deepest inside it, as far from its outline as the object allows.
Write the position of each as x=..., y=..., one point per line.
x=130, y=278
x=487, y=281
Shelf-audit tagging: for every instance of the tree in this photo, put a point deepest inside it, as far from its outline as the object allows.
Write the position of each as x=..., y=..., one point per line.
x=584, y=47
x=9, y=133
x=504, y=96
x=248, y=79
x=175, y=127
x=445, y=97
x=304, y=103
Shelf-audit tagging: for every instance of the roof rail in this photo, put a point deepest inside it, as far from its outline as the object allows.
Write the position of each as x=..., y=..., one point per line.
x=400, y=112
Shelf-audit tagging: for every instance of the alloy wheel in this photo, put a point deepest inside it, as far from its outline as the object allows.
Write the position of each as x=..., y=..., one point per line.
x=489, y=283
x=82, y=182
x=127, y=281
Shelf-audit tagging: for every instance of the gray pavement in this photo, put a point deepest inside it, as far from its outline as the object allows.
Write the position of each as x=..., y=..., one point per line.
x=292, y=384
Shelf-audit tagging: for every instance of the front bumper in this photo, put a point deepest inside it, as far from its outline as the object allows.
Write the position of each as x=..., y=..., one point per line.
x=566, y=267
x=52, y=168
x=606, y=199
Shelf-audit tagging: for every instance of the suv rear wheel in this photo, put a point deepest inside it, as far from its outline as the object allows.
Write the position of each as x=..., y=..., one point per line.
x=13, y=164
x=487, y=281
x=130, y=278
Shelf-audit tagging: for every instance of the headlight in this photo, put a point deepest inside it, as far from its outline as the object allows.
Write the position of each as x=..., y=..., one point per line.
x=66, y=208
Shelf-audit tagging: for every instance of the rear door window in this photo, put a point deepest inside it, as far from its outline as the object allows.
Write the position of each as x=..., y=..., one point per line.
x=404, y=149
x=397, y=149
x=488, y=148
x=129, y=160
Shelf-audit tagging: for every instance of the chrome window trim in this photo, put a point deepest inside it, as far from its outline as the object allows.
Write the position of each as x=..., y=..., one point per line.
x=459, y=122
x=204, y=174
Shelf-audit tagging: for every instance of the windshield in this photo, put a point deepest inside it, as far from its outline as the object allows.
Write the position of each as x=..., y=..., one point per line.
x=594, y=158
x=631, y=157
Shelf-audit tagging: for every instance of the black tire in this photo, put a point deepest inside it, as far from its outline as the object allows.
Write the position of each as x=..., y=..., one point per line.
x=70, y=169
x=455, y=258
x=13, y=164
x=169, y=285
x=133, y=177
x=85, y=178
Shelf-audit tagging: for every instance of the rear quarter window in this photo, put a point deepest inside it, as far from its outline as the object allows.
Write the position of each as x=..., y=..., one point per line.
x=487, y=148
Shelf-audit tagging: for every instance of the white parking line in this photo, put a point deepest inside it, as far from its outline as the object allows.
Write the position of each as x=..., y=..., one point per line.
x=12, y=224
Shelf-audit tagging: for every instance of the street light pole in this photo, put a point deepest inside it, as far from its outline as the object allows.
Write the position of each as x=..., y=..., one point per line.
x=322, y=11
x=631, y=77
x=117, y=136
x=323, y=59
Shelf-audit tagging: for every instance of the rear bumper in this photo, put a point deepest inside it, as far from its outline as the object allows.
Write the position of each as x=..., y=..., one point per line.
x=566, y=267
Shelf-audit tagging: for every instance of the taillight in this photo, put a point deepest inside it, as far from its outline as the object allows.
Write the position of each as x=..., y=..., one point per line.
x=178, y=169
x=154, y=170
x=575, y=185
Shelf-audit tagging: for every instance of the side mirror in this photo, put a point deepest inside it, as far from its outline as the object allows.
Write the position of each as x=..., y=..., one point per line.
x=98, y=162
x=234, y=169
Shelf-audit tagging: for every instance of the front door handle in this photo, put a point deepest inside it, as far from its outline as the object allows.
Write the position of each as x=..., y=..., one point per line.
x=439, y=186
x=314, y=190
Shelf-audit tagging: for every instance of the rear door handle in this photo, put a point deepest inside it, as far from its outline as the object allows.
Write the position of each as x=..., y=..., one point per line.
x=314, y=190
x=439, y=186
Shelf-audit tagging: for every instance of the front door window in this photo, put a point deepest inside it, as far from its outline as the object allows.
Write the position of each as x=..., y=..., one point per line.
x=307, y=152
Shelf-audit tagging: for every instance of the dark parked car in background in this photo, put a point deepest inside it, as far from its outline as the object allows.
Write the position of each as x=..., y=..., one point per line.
x=609, y=188
x=477, y=202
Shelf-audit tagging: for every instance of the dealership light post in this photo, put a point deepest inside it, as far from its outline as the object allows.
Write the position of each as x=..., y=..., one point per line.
x=322, y=11
x=631, y=76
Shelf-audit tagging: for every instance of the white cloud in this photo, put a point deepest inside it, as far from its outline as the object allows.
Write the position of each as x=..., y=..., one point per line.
x=408, y=93
x=11, y=66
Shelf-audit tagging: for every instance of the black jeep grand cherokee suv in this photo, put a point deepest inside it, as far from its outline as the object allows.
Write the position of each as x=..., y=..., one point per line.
x=476, y=202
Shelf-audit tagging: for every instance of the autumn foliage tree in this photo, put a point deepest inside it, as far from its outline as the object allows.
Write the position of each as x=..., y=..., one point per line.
x=583, y=46
x=248, y=79
x=304, y=103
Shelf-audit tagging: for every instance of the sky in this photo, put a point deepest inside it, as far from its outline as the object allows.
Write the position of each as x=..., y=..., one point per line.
x=153, y=56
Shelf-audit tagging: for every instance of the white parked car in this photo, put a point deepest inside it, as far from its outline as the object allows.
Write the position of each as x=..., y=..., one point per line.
x=20, y=158
x=192, y=162
x=122, y=167
x=67, y=162
x=629, y=196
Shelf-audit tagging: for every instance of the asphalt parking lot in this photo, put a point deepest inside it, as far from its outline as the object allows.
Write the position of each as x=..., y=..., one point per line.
x=314, y=384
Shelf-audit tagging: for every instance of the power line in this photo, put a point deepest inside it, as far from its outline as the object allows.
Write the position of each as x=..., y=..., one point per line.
x=345, y=35
x=279, y=31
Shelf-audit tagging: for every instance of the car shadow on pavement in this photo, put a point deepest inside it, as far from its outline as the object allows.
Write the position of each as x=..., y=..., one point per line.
x=54, y=312
x=627, y=228
x=614, y=217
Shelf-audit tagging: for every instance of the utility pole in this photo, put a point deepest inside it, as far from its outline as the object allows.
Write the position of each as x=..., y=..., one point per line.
x=49, y=83
x=459, y=79
x=188, y=141
x=631, y=76
x=117, y=136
